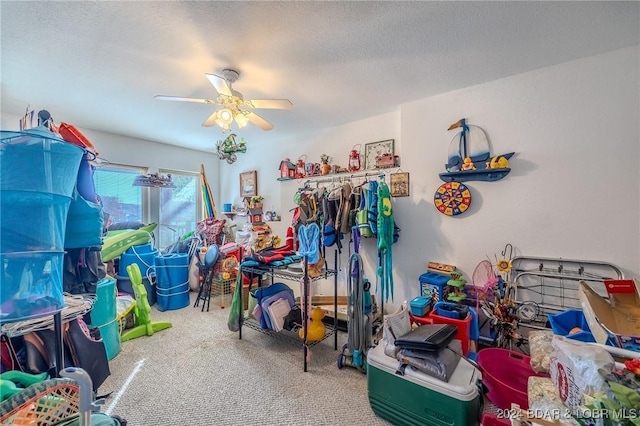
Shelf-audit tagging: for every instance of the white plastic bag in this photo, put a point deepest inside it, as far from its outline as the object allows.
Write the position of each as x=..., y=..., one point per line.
x=396, y=325
x=578, y=369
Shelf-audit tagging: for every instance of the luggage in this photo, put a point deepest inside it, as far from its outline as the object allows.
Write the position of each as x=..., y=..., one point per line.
x=417, y=399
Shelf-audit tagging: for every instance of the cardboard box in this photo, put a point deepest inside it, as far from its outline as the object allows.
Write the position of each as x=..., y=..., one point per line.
x=615, y=321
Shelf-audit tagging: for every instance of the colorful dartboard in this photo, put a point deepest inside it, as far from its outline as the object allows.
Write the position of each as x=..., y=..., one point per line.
x=452, y=198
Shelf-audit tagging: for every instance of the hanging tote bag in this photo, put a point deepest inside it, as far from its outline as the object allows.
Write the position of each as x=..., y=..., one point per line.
x=236, y=305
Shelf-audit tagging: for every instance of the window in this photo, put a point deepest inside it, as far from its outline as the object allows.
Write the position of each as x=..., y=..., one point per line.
x=120, y=199
x=179, y=207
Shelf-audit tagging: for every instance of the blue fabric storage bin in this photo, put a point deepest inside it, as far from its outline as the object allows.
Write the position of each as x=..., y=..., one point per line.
x=172, y=285
x=37, y=160
x=31, y=284
x=173, y=298
x=38, y=172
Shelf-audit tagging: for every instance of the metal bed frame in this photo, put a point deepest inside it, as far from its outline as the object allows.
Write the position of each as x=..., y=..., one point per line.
x=552, y=283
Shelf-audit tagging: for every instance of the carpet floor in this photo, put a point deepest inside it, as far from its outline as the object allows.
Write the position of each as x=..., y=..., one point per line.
x=200, y=373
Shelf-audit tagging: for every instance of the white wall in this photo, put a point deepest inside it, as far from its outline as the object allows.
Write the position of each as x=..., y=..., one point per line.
x=574, y=188
x=573, y=191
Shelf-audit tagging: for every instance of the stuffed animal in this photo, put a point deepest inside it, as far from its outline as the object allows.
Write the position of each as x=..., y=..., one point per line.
x=317, y=329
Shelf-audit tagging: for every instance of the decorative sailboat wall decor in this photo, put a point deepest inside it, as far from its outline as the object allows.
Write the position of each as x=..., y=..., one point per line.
x=470, y=157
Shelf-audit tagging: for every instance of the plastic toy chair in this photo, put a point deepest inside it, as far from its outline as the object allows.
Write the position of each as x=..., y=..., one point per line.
x=142, y=309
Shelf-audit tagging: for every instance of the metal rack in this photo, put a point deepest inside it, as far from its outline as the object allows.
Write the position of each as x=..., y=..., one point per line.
x=273, y=272
x=552, y=283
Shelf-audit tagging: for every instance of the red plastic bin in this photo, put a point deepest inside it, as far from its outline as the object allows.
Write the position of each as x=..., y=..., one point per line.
x=464, y=328
x=505, y=373
x=489, y=419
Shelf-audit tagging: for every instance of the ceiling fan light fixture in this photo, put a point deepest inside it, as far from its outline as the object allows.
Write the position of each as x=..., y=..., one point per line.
x=224, y=118
x=241, y=120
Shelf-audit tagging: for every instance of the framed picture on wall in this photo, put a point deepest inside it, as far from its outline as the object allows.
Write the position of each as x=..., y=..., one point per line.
x=399, y=184
x=374, y=150
x=248, y=184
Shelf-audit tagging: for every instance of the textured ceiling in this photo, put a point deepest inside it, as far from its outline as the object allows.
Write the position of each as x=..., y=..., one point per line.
x=98, y=65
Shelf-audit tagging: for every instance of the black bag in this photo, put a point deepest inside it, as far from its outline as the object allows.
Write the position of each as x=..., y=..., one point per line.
x=440, y=365
x=428, y=337
x=87, y=353
x=80, y=350
x=83, y=268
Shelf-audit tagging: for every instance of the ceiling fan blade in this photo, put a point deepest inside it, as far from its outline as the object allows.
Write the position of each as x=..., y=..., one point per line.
x=183, y=99
x=220, y=84
x=258, y=121
x=270, y=103
x=210, y=121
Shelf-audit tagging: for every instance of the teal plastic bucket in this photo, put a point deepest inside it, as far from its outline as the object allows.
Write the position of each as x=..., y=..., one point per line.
x=104, y=309
x=110, y=333
x=143, y=255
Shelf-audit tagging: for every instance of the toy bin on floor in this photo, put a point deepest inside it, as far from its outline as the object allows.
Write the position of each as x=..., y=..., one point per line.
x=417, y=399
x=104, y=315
x=463, y=325
x=125, y=286
x=30, y=284
x=506, y=373
x=564, y=322
x=432, y=285
x=172, y=286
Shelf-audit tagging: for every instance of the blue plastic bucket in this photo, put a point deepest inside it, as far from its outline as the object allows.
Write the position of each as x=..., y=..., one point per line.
x=31, y=284
x=143, y=255
x=110, y=333
x=173, y=298
x=104, y=309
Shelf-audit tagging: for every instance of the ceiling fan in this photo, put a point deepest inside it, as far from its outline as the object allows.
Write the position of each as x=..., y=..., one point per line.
x=234, y=106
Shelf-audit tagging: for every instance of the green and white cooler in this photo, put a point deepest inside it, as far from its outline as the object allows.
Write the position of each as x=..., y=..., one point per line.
x=417, y=399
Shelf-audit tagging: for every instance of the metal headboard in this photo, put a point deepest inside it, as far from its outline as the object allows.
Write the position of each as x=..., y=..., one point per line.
x=552, y=283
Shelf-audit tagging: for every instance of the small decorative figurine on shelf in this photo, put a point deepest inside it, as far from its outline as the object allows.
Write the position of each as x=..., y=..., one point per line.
x=255, y=202
x=325, y=168
x=386, y=160
x=301, y=170
x=287, y=170
x=468, y=164
x=354, y=160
